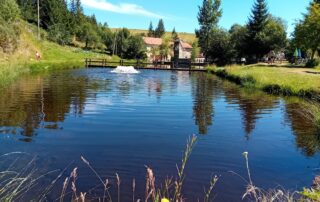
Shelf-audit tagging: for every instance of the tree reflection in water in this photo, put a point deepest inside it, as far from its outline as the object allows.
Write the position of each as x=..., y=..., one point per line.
x=36, y=100
x=203, y=92
x=252, y=104
x=307, y=135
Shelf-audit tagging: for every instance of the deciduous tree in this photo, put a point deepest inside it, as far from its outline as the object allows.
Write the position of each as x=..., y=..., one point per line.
x=208, y=17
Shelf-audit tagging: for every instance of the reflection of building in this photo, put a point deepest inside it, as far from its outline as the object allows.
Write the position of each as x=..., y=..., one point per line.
x=153, y=46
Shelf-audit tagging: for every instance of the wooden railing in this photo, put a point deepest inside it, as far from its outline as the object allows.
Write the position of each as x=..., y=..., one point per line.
x=178, y=65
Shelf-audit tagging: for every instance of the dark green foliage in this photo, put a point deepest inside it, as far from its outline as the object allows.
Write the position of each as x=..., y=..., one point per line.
x=257, y=22
x=88, y=35
x=208, y=17
x=150, y=31
x=136, y=48
x=313, y=63
x=59, y=34
x=238, y=35
x=221, y=49
x=174, y=34
x=160, y=30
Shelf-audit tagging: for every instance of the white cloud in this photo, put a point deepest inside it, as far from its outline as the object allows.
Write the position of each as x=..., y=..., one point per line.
x=124, y=8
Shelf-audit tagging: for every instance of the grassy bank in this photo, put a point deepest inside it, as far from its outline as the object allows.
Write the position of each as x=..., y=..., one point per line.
x=302, y=82
x=53, y=56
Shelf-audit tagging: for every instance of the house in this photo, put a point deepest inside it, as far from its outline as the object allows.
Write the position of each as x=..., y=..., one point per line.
x=153, y=44
x=185, y=50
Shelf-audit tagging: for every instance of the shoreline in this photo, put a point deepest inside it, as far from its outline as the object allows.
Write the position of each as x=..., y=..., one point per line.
x=274, y=80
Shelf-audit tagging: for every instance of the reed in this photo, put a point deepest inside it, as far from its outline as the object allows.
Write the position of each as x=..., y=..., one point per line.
x=15, y=185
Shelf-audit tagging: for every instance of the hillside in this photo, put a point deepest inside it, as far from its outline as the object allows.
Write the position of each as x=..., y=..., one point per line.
x=53, y=55
x=187, y=37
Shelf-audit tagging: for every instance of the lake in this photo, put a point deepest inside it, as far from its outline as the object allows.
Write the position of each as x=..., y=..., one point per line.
x=121, y=123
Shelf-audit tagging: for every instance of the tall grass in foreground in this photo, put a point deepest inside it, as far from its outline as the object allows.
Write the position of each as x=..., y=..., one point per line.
x=18, y=185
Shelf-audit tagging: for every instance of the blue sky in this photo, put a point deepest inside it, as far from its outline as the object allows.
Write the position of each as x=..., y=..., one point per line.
x=182, y=14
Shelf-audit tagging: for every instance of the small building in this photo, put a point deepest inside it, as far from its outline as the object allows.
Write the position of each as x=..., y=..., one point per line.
x=152, y=44
x=200, y=59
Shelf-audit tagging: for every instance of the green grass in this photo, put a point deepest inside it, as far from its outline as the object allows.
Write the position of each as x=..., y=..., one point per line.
x=53, y=56
x=302, y=82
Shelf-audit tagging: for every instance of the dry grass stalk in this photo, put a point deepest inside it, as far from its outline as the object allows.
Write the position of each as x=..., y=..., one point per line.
x=118, y=185
x=150, y=185
x=64, y=188
x=179, y=182
x=213, y=182
x=133, y=189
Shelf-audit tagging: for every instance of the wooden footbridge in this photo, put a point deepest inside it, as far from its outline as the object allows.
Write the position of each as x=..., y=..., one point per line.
x=180, y=65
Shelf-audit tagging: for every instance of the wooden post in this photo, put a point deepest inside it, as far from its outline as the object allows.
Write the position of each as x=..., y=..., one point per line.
x=38, y=8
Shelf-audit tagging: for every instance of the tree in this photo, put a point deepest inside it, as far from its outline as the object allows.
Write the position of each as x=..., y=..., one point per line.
x=150, y=31
x=28, y=10
x=221, y=48
x=273, y=35
x=208, y=17
x=195, y=51
x=88, y=35
x=257, y=22
x=164, y=48
x=160, y=30
x=59, y=34
x=174, y=34
x=306, y=34
x=136, y=48
x=238, y=35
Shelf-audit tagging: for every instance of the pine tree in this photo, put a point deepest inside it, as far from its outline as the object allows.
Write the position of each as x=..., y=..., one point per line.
x=256, y=24
x=151, y=31
x=73, y=7
x=208, y=17
x=174, y=34
x=79, y=10
x=259, y=17
x=160, y=30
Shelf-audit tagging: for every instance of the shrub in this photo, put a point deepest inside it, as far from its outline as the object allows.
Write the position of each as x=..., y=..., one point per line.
x=313, y=63
x=9, y=10
x=9, y=37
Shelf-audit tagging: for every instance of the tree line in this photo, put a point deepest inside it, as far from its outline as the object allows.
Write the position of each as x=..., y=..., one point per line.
x=261, y=34
x=65, y=23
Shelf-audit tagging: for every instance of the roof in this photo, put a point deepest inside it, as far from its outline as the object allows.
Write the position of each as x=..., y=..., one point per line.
x=186, y=45
x=152, y=41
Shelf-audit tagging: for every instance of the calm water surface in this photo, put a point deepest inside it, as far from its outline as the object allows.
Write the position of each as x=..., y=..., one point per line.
x=121, y=123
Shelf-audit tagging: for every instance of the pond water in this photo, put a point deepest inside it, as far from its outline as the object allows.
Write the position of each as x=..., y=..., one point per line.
x=121, y=122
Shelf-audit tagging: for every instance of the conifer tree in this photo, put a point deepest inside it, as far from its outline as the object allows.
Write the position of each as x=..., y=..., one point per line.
x=257, y=22
x=174, y=34
x=160, y=30
x=151, y=31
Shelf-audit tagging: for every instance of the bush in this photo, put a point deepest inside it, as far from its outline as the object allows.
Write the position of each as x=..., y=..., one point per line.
x=9, y=37
x=9, y=10
x=313, y=63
